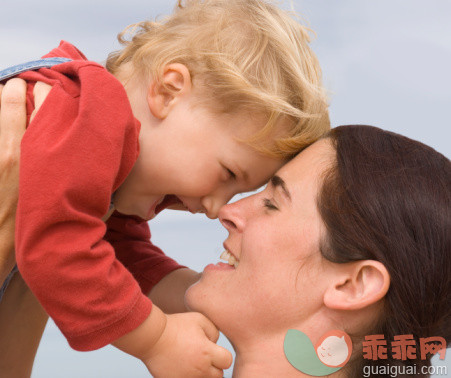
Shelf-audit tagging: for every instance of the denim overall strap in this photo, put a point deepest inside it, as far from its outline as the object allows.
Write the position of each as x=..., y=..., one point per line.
x=5, y=284
x=31, y=66
x=6, y=74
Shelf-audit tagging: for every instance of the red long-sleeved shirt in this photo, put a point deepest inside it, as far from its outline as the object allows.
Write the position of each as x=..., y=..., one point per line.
x=76, y=152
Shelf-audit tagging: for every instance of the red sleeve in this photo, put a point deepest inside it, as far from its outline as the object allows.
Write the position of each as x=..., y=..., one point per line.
x=78, y=149
x=130, y=237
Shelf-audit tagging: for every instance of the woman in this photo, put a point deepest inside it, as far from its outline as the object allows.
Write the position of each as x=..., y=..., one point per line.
x=352, y=235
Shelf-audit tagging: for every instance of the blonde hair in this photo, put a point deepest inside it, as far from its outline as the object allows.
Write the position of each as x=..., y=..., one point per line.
x=246, y=55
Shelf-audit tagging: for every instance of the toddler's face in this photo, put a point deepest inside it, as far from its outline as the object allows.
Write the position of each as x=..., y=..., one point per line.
x=193, y=161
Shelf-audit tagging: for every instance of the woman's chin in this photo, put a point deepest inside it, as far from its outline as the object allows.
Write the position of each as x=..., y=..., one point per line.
x=214, y=296
x=192, y=301
x=201, y=298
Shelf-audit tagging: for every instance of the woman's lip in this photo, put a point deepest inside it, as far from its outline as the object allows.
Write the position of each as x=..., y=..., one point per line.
x=219, y=266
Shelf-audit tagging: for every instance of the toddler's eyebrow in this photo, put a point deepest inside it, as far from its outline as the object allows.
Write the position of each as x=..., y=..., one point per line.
x=277, y=182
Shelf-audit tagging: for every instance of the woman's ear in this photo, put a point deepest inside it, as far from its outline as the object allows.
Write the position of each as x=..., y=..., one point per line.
x=357, y=285
x=163, y=94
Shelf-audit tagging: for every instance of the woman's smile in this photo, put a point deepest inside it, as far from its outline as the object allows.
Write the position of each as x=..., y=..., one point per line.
x=229, y=258
x=219, y=266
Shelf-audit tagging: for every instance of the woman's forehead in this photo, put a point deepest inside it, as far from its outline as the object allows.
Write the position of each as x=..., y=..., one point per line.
x=309, y=164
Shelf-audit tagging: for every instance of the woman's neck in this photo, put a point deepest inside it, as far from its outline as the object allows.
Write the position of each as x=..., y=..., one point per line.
x=262, y=359
x=266, y=358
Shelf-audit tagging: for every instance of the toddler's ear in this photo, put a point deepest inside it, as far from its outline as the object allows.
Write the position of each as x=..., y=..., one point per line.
x=162, y=94
x=357, y=285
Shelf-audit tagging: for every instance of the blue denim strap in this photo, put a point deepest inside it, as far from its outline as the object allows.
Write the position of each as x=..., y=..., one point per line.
x=31, y=66
x=6, y=282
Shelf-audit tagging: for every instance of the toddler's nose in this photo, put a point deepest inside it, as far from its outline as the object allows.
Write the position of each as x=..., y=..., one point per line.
x=212, y=205
x=212, y=213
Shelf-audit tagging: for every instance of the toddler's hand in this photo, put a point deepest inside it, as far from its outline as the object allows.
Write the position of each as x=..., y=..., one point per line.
x=187, y=348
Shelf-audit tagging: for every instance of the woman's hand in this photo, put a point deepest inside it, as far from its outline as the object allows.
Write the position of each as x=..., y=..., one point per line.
x=13, y=121
x=12, y=127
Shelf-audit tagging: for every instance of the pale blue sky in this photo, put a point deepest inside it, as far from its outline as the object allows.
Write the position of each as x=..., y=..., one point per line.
x=385, y=63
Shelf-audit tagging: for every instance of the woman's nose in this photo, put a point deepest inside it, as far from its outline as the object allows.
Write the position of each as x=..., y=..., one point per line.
x=231, y=216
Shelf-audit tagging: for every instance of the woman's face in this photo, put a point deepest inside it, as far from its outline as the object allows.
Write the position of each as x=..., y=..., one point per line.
x=275, y=237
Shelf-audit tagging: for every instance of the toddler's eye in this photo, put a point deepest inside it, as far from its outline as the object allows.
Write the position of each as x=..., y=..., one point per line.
x=231, y=173
x=269, y=205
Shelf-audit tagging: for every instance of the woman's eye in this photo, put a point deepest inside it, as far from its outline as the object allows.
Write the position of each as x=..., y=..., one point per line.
x=269, y=205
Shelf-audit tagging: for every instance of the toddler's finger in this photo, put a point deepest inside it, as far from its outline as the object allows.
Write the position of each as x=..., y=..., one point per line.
x=221, y=358
x=40, y=92
x=209, y=328
x=13, y=115
x=215, y=373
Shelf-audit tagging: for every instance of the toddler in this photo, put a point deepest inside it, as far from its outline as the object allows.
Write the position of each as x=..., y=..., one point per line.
x=195, y=108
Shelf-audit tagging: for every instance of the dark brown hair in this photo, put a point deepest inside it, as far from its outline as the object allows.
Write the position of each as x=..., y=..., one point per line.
x=388, y=198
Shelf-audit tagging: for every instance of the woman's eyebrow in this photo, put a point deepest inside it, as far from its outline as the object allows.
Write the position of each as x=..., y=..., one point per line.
x=277, y=182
